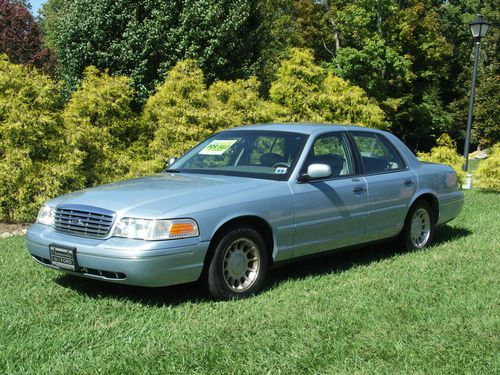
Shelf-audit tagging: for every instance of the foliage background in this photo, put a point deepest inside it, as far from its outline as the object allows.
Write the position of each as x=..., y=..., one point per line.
x=98, y=137
x=95, y=91
x=444, y=153
x=488, y=172
x=413, y=57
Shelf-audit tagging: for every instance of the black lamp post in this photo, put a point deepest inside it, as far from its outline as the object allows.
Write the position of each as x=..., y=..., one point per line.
x=479, y=28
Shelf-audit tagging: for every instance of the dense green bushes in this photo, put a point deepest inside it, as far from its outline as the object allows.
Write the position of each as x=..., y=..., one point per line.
x=308, y=93
x=413, y=57
x=48, y=147
x=35, y=161
x=487, y=175
x=445, y=153
x=100, y=126
x=184, y=111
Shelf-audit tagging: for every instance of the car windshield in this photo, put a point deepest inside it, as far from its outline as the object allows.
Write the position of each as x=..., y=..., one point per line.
x=250, y=153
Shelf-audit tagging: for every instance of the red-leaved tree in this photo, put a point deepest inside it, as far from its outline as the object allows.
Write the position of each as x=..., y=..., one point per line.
x=21, y=38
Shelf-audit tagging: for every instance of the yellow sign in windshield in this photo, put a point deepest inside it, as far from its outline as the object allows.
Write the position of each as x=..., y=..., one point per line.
x=218, y=147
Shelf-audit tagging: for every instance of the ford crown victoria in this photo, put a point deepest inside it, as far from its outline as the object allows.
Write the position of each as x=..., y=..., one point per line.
x=243, y=200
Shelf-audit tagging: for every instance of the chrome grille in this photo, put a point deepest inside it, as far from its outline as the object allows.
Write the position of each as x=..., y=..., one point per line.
x=84, y=221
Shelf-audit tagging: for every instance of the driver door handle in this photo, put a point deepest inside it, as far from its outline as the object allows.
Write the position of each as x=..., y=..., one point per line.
x=358, y=189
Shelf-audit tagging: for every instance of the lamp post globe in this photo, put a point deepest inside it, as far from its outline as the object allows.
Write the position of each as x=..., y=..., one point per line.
x=479, y=28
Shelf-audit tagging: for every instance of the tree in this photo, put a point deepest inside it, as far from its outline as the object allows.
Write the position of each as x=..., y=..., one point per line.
x=235, y=103
x=101, y=126
x=24, y=3
x=341, y=102
x=379, y=68
x=127, y=37
x=176, y=116
x=455, y=17
x=487, y=174
x=486, y=129
x=286, y=24
x=50, y=14
x=20, y=37
x=35, y=163
x=399, y=55
x=221, y=35
x=184, y=111
x=445, y=153
x=308, y=93
x=297, y=86
x=398, y=52
x=143, y=40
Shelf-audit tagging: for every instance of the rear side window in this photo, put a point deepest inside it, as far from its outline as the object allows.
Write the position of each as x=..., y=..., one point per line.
x=377, y=153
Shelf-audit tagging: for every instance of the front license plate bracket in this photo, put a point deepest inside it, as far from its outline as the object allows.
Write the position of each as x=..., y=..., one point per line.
x=63, y=257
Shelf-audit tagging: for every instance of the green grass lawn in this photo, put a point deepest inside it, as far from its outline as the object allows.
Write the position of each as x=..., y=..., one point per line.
x=375, y=310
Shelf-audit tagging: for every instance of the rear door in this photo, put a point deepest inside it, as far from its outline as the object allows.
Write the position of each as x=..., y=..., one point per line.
x=331, y=212
x=391, y=184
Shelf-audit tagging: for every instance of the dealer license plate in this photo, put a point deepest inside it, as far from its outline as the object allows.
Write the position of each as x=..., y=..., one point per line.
x=63, y=257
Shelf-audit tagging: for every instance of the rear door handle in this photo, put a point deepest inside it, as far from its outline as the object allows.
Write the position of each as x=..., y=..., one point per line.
x=358, y=189
x=408, y=183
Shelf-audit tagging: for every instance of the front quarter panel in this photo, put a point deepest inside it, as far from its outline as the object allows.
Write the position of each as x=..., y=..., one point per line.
x=272, y=202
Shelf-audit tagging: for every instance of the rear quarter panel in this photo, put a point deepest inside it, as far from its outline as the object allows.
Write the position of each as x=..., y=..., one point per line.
x=441, y=181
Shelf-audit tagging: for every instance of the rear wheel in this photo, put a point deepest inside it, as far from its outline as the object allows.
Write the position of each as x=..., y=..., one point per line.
x=239, y=264
x=418, y=230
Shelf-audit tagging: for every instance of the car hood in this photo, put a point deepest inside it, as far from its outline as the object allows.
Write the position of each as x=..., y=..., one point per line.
x=155, y=195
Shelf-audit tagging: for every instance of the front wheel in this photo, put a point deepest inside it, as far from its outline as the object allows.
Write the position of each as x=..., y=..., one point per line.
x=418, y=230
x=239, y=264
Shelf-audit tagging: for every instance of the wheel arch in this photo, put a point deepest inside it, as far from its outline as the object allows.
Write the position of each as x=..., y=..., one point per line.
x=256, y=222
x=431, y=199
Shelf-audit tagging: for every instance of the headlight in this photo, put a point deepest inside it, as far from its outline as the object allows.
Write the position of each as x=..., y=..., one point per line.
x=46, y=215
x=146, y=229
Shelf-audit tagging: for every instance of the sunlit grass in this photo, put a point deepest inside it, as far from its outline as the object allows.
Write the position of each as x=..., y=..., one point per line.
x=370, y=311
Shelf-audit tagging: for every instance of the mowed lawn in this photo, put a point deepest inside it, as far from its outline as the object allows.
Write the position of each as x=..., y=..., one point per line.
x=375, y=310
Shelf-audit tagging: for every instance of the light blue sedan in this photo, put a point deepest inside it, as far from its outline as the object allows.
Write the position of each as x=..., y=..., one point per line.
x=246, y=199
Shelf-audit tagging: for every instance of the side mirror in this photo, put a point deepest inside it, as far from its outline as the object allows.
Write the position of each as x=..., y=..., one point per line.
x=316, y=171
x=171, y=161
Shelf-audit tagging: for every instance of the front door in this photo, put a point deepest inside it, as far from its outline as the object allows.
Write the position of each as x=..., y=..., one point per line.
x=329, y=213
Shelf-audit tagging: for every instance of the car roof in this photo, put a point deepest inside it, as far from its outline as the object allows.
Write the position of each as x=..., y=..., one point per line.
x=303, y=128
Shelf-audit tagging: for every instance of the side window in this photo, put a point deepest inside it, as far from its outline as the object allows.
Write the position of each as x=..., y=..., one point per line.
x=377, y=154
x=332, y=149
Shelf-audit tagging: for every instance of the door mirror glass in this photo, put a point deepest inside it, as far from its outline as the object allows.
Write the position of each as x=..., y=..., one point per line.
x=171, y=161
x=331, y=149
x=316, y=171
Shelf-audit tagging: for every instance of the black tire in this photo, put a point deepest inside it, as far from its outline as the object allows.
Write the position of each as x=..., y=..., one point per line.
x=418, y=230
x=239, y=264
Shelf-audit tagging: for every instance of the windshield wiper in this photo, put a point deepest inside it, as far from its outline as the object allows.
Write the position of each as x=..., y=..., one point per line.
x=172, y=171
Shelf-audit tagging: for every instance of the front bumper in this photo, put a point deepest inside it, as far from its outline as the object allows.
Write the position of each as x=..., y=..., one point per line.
x=122, y=260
